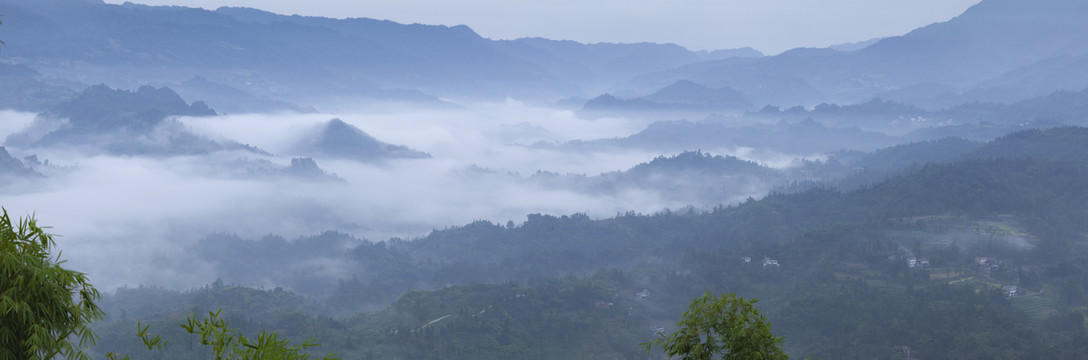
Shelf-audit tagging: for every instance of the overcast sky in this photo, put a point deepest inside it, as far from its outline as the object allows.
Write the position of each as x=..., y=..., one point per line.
x=771, y=26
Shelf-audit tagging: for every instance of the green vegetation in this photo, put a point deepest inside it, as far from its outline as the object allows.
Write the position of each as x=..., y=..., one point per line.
x=721, y=327
x=43, y=306
x=225, y=344
x=46, y=310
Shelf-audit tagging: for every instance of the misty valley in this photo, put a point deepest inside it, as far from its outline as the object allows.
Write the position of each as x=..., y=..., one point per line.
x=395, y=191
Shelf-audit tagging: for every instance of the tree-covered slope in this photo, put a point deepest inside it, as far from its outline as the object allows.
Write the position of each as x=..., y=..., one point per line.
x=924, y=260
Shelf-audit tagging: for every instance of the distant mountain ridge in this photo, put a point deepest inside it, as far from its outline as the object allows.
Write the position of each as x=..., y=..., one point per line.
x=986, y=42
x=313, y=59
x=997, y=50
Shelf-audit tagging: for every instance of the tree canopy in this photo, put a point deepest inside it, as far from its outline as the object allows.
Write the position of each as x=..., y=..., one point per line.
x=725, y=327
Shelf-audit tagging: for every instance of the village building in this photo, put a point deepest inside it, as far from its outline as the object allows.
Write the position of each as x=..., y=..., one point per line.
x=987, y=264
x=915, y=262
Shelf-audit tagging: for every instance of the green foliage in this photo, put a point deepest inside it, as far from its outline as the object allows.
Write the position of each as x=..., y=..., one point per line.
x=215, y=331
x=150, y=342
x=727, y=326
x=226, y=344
x=43, y=306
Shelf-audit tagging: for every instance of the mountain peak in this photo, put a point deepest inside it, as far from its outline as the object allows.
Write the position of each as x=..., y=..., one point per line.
x=339, y=139
x=988, y=39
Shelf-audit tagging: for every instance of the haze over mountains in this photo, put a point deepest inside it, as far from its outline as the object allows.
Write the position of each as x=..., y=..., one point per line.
x=73, y=60
x=380, y=177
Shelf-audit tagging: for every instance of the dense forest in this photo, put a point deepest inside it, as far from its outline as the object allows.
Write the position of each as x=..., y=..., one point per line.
x=980, y=255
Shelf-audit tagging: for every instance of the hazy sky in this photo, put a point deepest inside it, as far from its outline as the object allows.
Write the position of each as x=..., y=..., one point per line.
x=770, y=26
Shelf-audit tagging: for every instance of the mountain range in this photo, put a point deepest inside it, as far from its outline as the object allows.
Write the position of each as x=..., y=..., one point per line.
x=996, y=51
x=924, y=148
x=312, y=60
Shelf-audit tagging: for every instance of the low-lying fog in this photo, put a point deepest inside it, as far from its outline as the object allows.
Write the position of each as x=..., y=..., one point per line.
x=128, y=220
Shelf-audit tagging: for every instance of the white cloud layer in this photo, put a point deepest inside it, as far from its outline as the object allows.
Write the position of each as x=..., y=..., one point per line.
x=128, y=220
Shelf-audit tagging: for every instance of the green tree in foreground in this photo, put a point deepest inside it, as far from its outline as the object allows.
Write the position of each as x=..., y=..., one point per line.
x=722, y=327
x=43, y=306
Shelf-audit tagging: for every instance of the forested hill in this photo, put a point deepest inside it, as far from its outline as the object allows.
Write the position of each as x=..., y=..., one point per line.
x=1065, y=144
x=104, y=120
x=848, y=170
x=925, y=260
